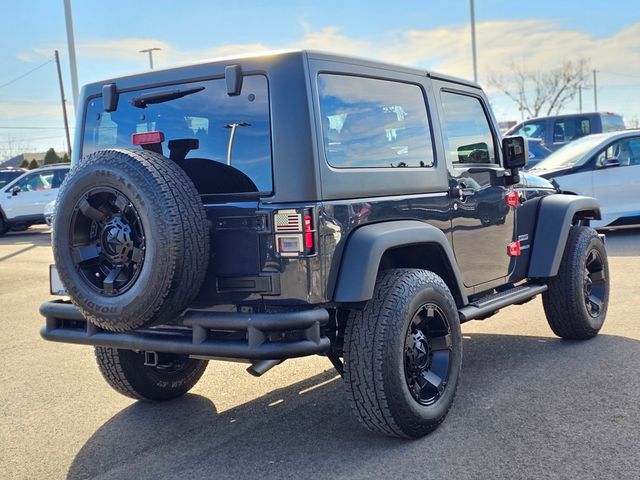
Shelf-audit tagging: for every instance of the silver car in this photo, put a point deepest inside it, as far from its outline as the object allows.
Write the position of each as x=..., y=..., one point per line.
x=605, y=166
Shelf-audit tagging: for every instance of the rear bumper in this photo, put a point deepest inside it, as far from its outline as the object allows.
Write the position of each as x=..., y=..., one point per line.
x=253, y=336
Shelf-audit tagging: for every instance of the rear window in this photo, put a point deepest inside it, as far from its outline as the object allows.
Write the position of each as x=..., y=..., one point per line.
x=6, y=177
x=371, y=123
x=612, y=123
x=226, y=138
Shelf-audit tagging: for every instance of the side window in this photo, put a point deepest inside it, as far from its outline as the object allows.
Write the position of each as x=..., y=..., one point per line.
x=58, y=177
x=467, y=134
x=627, y=152
x=374, y=123
x=568, y=129
x=532, y=129
x=36, y=181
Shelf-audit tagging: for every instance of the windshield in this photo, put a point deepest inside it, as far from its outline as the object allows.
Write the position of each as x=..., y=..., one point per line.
x=570, y=154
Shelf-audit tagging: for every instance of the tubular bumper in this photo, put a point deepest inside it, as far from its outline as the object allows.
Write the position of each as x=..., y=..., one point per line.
x=205, y=333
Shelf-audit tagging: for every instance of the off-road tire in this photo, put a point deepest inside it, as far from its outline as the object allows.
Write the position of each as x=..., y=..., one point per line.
x=176, y=233
x=374, y=354
x=125, y=371
x=564, y=302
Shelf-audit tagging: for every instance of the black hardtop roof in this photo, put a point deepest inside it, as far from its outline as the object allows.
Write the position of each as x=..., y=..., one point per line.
x=153, y=76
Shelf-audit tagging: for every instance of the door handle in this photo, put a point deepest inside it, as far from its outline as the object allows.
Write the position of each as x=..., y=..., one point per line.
x=463, y=191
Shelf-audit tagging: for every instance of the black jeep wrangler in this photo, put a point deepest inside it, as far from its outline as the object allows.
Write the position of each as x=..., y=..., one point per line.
x=301, y=203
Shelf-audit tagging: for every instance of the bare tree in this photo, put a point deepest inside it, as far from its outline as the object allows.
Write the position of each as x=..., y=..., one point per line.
x=545, y=92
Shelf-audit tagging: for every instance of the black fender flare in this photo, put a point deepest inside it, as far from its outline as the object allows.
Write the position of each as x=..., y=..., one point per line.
x=365, y=247
x=555, y=217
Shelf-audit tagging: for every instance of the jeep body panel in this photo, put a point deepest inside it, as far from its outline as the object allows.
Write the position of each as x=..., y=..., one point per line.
x=363, y=254
x=556, y=214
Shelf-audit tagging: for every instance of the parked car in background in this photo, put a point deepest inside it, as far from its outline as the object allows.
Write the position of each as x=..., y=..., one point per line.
x=605, y=166
x=537, y=152
x=48, y=212
x=9, y=174
x=22, y=200
x=558, y=130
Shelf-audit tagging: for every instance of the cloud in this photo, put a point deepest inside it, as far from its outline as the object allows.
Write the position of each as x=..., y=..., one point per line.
x=539, y=43
x=31, y=109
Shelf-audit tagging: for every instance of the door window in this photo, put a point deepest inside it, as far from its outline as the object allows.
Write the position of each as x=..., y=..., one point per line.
x=569, y=129
x=467, y=134
x=626, y=151
x=36, y=181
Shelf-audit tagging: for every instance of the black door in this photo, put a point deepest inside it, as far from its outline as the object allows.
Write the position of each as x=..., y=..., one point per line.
x=482, y=222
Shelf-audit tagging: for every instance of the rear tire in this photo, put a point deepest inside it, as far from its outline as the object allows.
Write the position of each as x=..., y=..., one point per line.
x=126, y=372
x=576, y=302
x=403, y=354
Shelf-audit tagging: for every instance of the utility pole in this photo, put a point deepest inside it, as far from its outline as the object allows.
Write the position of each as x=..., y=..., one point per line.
x=580, y=97
x=64, y=106
x=595, y=90
x=473, y=41
x=72, y=53
x=150, y=52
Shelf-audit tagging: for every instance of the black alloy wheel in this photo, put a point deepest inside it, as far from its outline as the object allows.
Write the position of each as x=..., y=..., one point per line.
x=107, y=241
x=130, y=239
x=428, y=354
x=577, y=299
x=403, y=354
x=594, y=283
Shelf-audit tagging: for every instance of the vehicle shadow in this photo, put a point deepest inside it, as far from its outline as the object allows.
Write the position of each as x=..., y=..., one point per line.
x=521, y=399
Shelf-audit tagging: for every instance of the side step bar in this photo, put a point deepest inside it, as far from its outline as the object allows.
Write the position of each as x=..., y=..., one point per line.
x=486, y=305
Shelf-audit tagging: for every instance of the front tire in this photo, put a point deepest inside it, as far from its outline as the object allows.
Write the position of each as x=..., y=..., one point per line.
x=126, y=372
x=576, y=302
x=403, y=354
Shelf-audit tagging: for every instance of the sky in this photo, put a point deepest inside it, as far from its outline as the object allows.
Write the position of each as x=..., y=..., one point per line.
x=429, y=34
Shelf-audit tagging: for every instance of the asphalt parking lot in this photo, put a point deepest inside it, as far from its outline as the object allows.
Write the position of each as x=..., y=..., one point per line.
x=529, y=404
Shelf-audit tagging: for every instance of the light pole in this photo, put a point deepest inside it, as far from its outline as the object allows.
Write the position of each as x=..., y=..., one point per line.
x=473, y=41
x=150, y=52
x=72, y=52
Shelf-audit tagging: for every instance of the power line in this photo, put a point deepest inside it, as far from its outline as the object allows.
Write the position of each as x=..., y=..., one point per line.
x=25, y=74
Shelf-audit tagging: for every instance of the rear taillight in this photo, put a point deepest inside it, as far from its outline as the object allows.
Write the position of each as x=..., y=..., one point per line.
x=294, y=232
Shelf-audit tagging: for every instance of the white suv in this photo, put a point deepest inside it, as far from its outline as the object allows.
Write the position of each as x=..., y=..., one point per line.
x=22, y=201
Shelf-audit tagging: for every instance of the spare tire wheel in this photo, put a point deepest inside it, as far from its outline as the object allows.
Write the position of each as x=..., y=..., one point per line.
x=130, y=239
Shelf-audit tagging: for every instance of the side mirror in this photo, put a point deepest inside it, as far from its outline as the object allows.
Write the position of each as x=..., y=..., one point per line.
x=515, y=152
x=15, y=190
x=611, y=162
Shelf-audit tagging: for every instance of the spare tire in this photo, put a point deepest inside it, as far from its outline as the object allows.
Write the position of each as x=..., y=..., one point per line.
x=130, y=239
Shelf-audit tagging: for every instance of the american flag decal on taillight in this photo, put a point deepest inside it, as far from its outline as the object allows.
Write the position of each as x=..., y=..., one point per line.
x=288, y=221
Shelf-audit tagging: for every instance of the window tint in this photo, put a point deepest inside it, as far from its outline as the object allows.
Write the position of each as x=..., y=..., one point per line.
x=626, y=151
x=204, y=119
x=569, y=129
x=374, y=123
x=58, y=177
x=6, y=177
x=467, y=134
x=612, y=123
x=533, y=129
x=36, y=181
